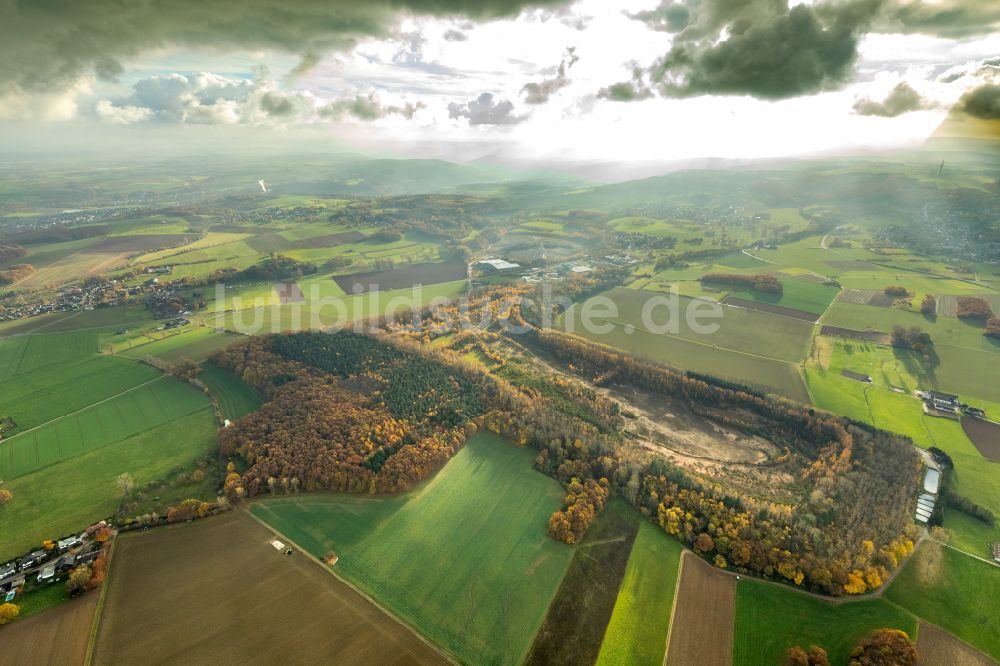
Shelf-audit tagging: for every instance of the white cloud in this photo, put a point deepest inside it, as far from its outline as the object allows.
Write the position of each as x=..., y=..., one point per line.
x=120, y=115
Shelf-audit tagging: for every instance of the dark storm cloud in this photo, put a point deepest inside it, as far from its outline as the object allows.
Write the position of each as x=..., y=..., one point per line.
x=982, y=102
x=48, y=44
x=947, y=18
x=801, y=51
x=540, y=92
x=485, y=111
x=901, y=99
x=765, y=49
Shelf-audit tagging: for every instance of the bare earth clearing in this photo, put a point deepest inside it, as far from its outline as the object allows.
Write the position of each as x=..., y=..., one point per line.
x=936, y=646
x=218, y=592
x=702, y=629
x=985, y=435
x=57, y=636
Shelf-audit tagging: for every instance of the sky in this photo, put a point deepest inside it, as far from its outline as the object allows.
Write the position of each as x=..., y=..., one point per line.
x=592, y=80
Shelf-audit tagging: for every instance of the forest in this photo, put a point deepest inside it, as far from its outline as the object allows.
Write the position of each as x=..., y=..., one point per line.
x=376, y=413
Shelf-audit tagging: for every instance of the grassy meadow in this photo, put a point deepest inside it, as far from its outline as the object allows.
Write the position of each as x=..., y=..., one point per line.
x=954, y=591
x=481, y=586
x=771, y=619
x=637, y=631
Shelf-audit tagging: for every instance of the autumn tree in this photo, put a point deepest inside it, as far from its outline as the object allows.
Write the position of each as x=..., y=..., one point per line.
x=896, y=291
x=992, y=329
x=5, y=496
x=928, y=306
x=79, y=579
x=796, y=656
x=8, y=612
x=185, y=369
x=885, y=647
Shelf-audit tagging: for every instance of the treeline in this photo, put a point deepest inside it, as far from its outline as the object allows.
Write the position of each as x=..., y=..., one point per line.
x=847, y=533
x=274, y=268
x=59, y=234
x=15, y=273
x=11, y=252
x=763, y=282
x=910, y=338
x=971, y=307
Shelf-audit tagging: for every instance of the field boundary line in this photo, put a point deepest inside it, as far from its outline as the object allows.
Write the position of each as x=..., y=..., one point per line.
x=703, y=344
x=673, y=604
x=96, y=622
x=437, y=648
x=83, y=409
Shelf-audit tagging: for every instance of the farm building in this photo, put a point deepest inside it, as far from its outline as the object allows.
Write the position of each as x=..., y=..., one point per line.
x=943, y=402
x=856, y=376
x=496, y=265
x=47, y=573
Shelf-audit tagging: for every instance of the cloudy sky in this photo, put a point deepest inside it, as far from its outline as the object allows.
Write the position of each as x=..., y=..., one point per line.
x=587, y=80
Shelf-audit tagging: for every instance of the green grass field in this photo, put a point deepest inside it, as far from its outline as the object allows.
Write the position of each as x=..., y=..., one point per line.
x=27, y=353
x=953, y=591
x=637, y=632
x=236, y=398
x=811, y=297
x=330, y=310
x=464, y=558
x=973, y=476
x=770, y=619
x=67, y=496
x=55, y=390
x=146, y=406
x=949, y=331
x=195, y=344
x=688, y=351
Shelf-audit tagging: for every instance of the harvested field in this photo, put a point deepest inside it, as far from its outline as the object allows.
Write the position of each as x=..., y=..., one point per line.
x=877, y=337
x=948, y=305
x=770, y=308
x=404, y=277
x=985, y=435
x=874, y=297
x=288, y=292
x=330, y=240
x=57, y=636
x=702, y=628
x=574, y=625
x=147, y=243
x=218, y=592
x=936, y=646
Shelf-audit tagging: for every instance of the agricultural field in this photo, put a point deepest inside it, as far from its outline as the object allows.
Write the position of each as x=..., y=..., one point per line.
x=797, y=295
x=403, y=277
x=225, y=567
x=480, y=588
x=797, y=619
x=574, y=625
x=939, y=647
x=195, y=344
x=740, y=330
x=329, y=311
x=60, y=636
x=753, y=348
x=57, y=390
x=953, y=591
x=146, y=406
x=701, y=630
x=637, y=632
x=55, y=500
x=28, y=353
x=236, y=397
